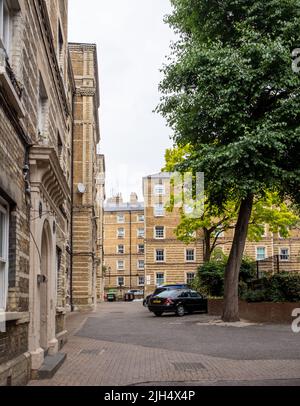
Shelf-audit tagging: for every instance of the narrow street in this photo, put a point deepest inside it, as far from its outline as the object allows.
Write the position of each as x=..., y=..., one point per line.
x=124, y=344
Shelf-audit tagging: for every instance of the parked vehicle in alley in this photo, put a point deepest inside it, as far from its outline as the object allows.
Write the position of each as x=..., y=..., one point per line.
x=179, y=301
x=111, y=295
x=136, y=292
x=163, y=288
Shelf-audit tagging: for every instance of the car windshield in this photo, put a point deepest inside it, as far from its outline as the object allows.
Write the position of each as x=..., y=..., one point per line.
x=169, y=293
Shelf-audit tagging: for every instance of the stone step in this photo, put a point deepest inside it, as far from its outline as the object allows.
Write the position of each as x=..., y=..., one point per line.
x=51, y=365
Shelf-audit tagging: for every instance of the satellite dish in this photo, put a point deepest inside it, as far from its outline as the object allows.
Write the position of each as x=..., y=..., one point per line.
x=81, y=188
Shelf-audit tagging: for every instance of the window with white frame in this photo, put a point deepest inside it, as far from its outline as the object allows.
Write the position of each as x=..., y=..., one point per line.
x=4, y=235
x=160, y=278
x=141, y=249
x=121, y=281
x=121, y=249
x=141, y=281
x=6, y=25
x=121, y=233
x=159, y=232
x=159, y=255
x=159, y=210
x=140, y=218
x=141, y=233
x=120, y=218
x=141, y=264
x=284, y=254
x=260, y=253
x=190, y=255
x=120, y=265
x=190, y=277
x=159, y=190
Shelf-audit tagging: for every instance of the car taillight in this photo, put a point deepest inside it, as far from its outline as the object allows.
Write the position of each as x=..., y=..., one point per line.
x=169, y=302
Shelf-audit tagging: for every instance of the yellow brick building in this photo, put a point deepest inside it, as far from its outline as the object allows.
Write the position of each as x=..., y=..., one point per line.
x=167, y=260
x=86, y=136
x=124, y=246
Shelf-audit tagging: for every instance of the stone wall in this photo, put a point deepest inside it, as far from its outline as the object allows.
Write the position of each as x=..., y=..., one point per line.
x=33, y=58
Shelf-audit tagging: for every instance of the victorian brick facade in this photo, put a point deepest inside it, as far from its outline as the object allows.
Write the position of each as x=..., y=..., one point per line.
x=35, y=160
x=168, y=260
x=38, y=96
x=86, y=263
x=124, y=248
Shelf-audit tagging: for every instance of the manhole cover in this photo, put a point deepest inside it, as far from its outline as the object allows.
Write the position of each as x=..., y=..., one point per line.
x=188, y=366
x=90, y=352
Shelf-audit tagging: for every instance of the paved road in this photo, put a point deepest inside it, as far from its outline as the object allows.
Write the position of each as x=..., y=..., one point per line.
x=124, y=344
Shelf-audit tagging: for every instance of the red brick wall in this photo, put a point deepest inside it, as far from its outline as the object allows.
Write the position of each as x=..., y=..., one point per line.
x=258, y=312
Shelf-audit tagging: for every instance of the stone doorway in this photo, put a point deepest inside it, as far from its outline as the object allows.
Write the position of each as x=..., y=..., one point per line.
x=43, y=286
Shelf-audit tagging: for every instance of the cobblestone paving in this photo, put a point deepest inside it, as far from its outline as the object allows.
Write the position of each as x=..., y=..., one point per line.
x=95, y=361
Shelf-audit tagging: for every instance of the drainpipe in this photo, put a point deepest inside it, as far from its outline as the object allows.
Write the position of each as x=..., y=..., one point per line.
x=130, y=250
x=72, y=205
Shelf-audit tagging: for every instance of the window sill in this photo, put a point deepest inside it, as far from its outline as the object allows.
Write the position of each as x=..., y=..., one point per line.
x=20, y=318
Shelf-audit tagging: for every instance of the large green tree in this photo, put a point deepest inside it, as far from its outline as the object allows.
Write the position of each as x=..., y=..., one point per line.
x=268, y=210
x=230, y=91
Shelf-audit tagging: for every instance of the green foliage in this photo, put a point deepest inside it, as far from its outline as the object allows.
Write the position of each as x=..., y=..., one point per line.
x=210, y=277
x=282, y=287
x=268, y=210
x=230, y=92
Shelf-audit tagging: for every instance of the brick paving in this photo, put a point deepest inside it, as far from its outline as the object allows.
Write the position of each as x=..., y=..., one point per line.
x=93, y=361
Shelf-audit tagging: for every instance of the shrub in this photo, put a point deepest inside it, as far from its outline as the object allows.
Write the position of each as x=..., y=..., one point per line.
x=282, y=287
x=254, y=296
x=210, y=277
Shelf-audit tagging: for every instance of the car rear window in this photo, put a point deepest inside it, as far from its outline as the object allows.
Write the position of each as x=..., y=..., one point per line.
x=169, y=293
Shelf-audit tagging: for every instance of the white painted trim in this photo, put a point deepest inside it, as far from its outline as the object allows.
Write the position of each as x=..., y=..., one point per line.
x=164, y=233
x=165, y=255
x=185, y=256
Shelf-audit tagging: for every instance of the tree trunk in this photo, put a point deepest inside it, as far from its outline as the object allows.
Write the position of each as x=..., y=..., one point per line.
x=231, y=284
x=206, y=246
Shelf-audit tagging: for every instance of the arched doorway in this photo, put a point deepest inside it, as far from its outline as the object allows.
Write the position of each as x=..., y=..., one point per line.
x=43, y=285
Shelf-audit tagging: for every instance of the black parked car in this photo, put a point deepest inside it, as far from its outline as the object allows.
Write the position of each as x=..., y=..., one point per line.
x=163, y=288
x=178, y=302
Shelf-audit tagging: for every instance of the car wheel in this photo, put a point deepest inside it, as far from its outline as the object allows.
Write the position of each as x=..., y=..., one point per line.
x=180, y=311
x=145, y=303
x=158, y=314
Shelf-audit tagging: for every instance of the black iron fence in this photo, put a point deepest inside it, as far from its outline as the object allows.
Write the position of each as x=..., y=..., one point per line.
x=277, y=264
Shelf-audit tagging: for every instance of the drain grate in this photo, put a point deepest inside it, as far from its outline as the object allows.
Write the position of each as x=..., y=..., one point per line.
x=90, y=352
x=188, y=366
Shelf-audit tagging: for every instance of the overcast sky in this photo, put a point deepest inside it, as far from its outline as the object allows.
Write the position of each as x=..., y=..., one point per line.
x=132, y=42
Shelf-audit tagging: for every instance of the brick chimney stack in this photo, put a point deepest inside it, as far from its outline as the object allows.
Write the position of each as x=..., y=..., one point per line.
x=133, y=198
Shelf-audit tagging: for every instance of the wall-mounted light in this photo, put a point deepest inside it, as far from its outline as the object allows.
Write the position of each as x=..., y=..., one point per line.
x=81, y=188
